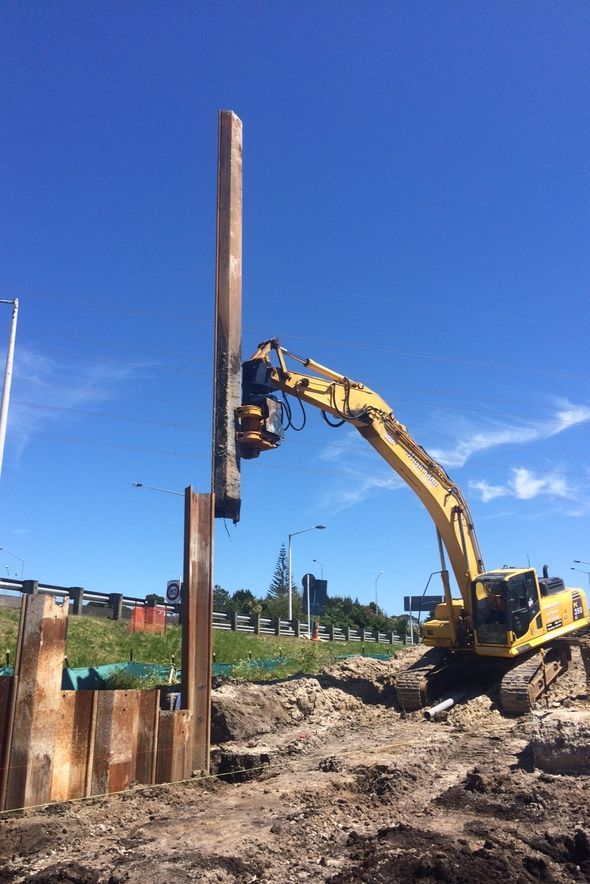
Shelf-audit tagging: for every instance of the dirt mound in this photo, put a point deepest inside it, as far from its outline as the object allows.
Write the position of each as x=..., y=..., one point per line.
x=404, y=853
x=241, y=711
x=370, y=680
x=481, y=711
x=561, y=743
x=484, y=793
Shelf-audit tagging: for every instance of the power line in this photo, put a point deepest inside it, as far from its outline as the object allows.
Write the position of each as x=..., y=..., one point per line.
x=397, y=301
x=292, y=469
x=100, y=414
x=121, y=307
x=148, y=364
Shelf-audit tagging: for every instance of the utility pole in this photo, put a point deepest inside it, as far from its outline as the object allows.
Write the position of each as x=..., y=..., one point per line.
x=7, y=377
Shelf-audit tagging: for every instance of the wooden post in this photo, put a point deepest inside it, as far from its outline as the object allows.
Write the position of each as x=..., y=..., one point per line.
x=227, y=394
x=197, y=618
x=39, y=671
x=76, y=593
x=116, y=603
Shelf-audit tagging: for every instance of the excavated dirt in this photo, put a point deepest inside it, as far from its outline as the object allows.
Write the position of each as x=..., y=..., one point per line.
x=324, y=779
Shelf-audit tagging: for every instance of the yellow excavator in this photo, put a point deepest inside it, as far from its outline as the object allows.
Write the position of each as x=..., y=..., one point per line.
x=508, y=618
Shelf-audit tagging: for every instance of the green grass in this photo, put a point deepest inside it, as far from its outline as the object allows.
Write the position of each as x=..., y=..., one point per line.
x=94, y=642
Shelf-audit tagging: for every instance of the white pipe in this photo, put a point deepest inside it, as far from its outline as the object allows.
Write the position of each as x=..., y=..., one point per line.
x=7, y=378
x=434, y=711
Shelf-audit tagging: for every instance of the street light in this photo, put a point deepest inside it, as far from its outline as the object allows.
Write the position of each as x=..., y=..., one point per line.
x=582, y=571
x=152, y=488
x=579, y=562
x=420, y=606
x=376, y=581
x=7, y=376
x=321, y=564
x=294, y=534
x=22, y=561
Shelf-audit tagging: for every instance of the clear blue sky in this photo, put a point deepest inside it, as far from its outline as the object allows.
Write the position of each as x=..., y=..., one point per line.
x=416, y=215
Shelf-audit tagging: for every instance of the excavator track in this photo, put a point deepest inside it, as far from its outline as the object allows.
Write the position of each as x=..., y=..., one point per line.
x=413, y=686
x=524, y=683
x=520, y=687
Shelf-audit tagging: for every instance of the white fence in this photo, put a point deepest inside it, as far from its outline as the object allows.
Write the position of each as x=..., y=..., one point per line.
x=257, y=625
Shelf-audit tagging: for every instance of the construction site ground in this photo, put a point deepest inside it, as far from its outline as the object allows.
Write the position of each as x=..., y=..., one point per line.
x=324, y=779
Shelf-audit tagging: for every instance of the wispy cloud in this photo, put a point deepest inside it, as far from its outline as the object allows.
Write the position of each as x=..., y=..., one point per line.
x=472, y=439
x=526, y=485
x=45, y=390
x=360, y=474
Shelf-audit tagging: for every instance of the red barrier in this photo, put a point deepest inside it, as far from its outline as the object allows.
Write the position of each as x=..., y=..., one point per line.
x=148, y=620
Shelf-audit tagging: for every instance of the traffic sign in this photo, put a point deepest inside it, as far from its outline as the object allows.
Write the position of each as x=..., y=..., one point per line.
x=173, y=591
x=421, y=602
x=318, y=594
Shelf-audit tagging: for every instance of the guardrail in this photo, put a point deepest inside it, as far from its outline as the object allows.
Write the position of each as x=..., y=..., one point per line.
x=118, y=606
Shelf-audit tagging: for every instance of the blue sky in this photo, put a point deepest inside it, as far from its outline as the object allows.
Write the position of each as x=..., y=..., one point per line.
x=416, y=215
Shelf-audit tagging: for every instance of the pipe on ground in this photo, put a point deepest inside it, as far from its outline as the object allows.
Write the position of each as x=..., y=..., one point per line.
x=434, y=711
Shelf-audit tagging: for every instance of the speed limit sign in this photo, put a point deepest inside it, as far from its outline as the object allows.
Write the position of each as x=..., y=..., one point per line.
x=173, y=588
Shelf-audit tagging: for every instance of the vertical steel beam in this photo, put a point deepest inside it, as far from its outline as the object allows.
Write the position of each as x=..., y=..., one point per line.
x=197, y=618
x=228, y=318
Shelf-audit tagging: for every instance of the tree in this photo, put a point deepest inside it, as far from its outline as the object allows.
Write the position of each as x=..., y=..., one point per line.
x=279, y=587
x=155, y=598
x=243, y=601
x=221, y=598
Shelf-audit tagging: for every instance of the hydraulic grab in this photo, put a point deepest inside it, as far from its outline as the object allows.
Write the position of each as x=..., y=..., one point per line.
x=502, y=614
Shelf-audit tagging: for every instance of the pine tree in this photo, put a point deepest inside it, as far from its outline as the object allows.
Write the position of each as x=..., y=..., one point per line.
x=279, y=588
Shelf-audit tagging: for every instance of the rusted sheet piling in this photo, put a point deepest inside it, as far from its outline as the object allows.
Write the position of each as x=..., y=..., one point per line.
x=173, y=761
x=228, y=318
x=73, y=744
x=197, y=617
x=38, y=691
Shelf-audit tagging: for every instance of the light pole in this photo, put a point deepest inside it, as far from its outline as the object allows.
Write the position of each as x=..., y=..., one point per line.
x=152, y=488
x=376, y=582
x=420, y=605
x=294, y=534
x=582, y=572
x=7, y=377
x=22, y=561
x=321, y=564
x=424, y=592
x=580, y=562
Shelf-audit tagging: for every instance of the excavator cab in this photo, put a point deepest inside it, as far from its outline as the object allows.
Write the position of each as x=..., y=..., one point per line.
x=506, y=605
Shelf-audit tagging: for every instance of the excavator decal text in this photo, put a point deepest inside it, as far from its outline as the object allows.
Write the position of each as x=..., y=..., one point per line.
x=422, y=468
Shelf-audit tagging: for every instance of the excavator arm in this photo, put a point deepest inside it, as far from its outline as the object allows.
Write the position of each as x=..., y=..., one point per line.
x=351, y=402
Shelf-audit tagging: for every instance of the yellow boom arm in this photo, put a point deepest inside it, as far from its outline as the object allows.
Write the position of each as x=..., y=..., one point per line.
x=356, y=404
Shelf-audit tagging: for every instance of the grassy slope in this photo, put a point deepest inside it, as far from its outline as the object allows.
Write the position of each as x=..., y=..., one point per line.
x=92, y=642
